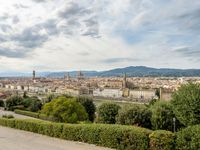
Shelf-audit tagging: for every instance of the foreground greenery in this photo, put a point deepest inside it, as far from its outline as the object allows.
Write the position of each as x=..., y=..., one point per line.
x=25, y=103
x=113, y=136
x=64, y=109
x=186, y=104
x=158, y=115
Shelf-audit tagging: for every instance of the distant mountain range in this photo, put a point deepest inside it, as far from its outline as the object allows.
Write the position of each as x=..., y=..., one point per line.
x=132, y=71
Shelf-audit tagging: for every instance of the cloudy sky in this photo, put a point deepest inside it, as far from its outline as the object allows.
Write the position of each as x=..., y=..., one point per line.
x=49, y=35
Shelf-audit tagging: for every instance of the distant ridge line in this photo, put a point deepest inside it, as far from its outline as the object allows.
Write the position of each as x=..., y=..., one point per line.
x=131, y=71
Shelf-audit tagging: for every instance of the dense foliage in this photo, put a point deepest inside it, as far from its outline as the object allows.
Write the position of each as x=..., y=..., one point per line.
x=27, y=103
x=89, y=106
x=113, y=136
x=137, y=115
x=107, y=113
x=64, y=109
x=162, y=116
x=27, y=113
x=162, y=140
x=189, y=138
x=14, y=102
x=32, y=104
x=8, y=116
x=1, y=103
x=186, y=104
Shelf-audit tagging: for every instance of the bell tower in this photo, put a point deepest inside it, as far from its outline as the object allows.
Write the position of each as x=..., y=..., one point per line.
x=33, y=74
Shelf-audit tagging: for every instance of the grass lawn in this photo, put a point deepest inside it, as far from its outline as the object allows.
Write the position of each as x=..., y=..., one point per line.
x=98, y=102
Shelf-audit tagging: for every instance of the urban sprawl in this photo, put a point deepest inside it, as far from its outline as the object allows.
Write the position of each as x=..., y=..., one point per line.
x=134, y=89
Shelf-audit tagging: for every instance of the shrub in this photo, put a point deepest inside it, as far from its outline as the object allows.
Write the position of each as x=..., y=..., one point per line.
x=162, y=140
x=107, y=113
x=50, y=97
x=135, y=115
x=8, y=116
x=1, y=103
x=89, y=106
x=7, y=122
x=188, y=138
x=162, y=116
x=45, y=117
x=27, y=113
x=186, y=104
x=113, y=136
x=32, y=104
x=13, y=101
x=65, y=110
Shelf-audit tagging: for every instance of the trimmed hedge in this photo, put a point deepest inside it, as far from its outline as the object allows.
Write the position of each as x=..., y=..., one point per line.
x=113, y=136
x=34, y=115
x=27, y=113
x=162, y=140
x=188, y=138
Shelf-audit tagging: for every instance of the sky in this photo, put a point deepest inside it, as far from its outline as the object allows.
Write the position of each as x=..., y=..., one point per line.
x=64, y=35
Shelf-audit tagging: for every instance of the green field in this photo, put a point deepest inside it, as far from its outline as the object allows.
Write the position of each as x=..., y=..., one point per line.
x=98, y=102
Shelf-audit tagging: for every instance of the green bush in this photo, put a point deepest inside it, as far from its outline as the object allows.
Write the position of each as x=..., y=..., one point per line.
x=50, y=97
x=65, y=109
x=32, y=104
x=14, y=101
x=188, y=138
x=1, y=103
x=107, y=113
x=113, y=136
x=47, y=118
x=7, y=122
x=162, y=140
x=27, y=113
x=186, y=104
x=135, y=115
x=89, y=106
x=8, y=116
x=162, y=116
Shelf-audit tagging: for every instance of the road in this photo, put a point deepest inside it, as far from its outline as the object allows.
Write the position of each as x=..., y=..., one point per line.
x=12, y=139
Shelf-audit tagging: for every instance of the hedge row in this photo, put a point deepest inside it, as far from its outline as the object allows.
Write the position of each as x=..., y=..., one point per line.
x=112, y=136
x=33, y=114
x=27, y=113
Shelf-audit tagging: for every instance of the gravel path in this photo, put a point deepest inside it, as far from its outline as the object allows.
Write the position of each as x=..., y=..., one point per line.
x=12, y=139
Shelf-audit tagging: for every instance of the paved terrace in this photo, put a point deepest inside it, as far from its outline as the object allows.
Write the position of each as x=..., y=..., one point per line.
x=12, y=139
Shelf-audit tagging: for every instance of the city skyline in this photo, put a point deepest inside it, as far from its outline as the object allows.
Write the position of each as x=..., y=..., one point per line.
x=98, y=35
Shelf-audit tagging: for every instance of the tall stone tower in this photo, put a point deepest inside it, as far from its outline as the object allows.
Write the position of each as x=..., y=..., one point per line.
x=67, y=76
x=124, y=81
x=33, y=74
x=80, y=75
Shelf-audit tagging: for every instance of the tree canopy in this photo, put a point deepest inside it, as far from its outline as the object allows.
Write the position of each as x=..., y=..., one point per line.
x=186, y=104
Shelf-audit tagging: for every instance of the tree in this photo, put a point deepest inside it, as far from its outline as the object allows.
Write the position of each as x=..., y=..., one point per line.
x=135, y=115
x=1, y=103
x=50, y=97
x=186, y=104
x=162, y=116
x=13, y=102
x=89, y=106
x=32, y=104
x=25, y=94
x=64, y=109
x=107, y=113
x=157, y=93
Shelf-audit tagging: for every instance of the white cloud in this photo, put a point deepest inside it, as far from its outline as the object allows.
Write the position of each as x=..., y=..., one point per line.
x=98, y=34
